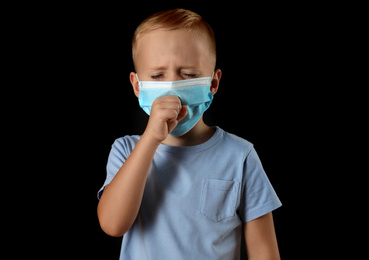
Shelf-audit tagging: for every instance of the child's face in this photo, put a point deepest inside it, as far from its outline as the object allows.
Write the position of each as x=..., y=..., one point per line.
x=173, y=55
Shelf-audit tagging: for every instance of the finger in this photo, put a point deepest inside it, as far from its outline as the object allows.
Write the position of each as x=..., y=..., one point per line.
x=171, y=105
x=169, y=111
x=166, y=99
x=183, y=113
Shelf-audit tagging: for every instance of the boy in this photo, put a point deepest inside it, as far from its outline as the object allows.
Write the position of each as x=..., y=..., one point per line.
x=184, y=190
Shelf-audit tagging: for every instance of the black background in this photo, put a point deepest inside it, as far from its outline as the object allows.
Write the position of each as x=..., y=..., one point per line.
x=78, y=100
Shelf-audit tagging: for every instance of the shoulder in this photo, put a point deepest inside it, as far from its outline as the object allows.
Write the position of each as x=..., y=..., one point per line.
x=237, y=144
x=125, y=144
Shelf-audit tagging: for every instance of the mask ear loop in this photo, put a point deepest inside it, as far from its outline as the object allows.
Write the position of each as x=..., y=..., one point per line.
x=212, y=75
x=137, y=77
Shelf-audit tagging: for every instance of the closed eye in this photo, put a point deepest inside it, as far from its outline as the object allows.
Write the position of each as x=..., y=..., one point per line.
x=158, y=76
x=184, y=75
x=187, y=75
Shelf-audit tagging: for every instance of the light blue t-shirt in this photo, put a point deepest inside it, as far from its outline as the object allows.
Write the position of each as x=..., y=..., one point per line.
x=196, y=199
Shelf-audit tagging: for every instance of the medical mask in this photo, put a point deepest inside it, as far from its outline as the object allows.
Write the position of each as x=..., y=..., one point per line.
x=194, y=93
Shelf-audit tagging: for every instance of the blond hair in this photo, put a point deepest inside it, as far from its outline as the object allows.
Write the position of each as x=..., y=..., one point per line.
x=172, y=20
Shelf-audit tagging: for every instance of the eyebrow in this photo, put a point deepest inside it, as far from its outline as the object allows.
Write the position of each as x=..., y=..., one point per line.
x=161, y=68
x=156, y=68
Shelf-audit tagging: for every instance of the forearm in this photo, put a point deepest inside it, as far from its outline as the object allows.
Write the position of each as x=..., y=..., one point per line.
x=265, y=256
x=121, y=200
x=260, y=238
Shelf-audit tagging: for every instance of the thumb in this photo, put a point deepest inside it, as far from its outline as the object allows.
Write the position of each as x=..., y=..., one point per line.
x=183, y=113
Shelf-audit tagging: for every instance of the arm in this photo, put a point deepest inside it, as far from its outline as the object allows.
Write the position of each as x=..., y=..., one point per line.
x=121, y=200
x=261, y=240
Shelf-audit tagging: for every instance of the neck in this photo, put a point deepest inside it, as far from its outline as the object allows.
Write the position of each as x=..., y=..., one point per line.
x=199, y=134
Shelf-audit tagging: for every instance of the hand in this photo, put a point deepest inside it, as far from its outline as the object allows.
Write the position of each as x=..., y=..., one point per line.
x=165, y=114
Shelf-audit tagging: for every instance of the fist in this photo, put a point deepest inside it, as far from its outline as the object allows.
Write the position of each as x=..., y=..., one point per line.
x=165, y=114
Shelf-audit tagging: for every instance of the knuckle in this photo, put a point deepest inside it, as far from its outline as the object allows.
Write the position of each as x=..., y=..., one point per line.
x=172, y=113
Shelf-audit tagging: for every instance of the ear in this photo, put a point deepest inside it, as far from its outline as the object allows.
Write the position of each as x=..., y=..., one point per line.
x=134, y=82
x=215, y=81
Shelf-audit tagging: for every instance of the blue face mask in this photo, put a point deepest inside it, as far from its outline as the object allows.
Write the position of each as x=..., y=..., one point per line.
x=194, y=93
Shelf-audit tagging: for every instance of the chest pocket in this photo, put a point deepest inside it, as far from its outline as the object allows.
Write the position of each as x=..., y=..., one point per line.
x=219, y=198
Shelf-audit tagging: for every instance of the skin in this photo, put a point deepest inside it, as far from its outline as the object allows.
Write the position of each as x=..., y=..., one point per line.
x=170, y=56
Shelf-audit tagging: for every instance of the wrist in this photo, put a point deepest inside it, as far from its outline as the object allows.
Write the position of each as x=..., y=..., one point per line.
x=150, y=139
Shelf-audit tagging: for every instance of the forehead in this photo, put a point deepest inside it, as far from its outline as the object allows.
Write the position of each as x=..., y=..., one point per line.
x=181, y=45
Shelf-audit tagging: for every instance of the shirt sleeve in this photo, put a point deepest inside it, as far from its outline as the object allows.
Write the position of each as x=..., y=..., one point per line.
x=258, y=196
x=117, y=156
